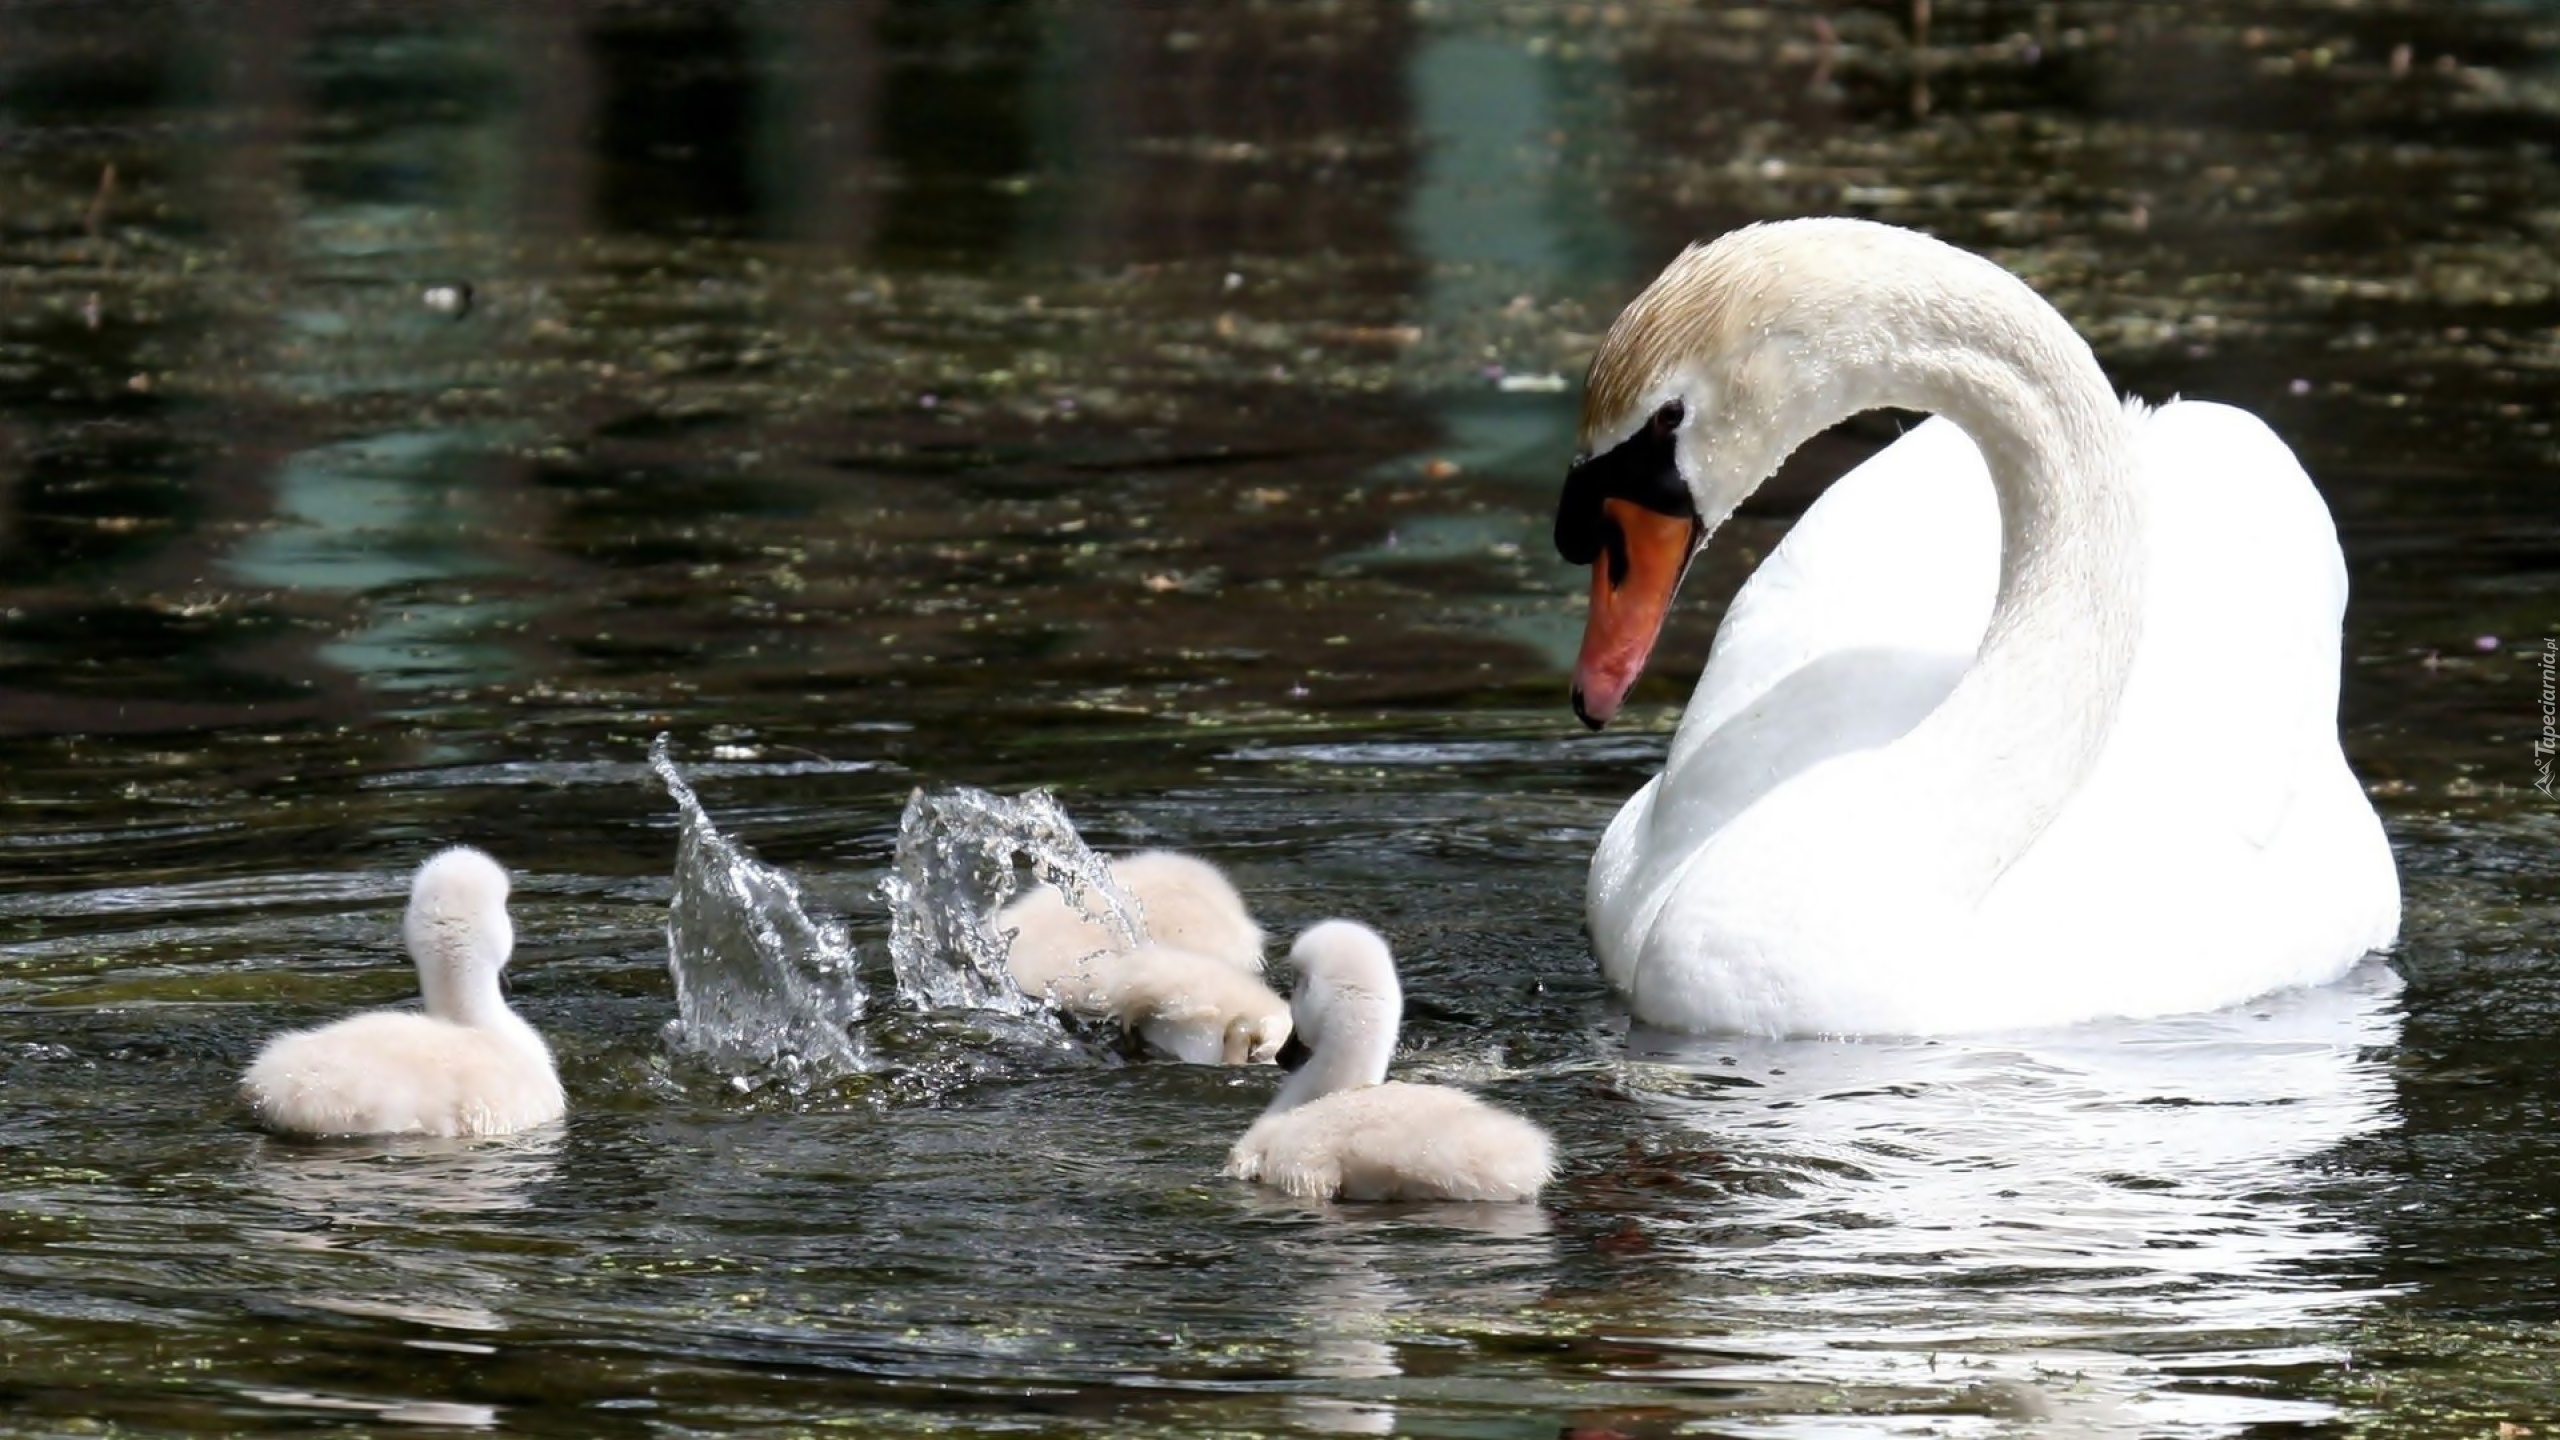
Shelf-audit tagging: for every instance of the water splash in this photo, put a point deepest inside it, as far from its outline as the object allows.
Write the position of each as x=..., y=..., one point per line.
x=767, y=994
x=959, y=853
x=762, y=990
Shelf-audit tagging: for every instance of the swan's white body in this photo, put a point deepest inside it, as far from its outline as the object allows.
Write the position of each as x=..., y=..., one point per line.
x=1340, y=1130
x=468, y=1066
x=1941, y=778
x=1193, y=989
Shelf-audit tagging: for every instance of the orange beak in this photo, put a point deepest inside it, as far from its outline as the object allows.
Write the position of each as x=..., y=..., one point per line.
x=1632, y=583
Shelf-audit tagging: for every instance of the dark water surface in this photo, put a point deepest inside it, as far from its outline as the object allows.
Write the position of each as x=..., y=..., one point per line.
x=1166, y=406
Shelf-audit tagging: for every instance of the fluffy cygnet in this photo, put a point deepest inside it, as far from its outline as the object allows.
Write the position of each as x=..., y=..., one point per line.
x=1193, y=990
x=1186, y=902
x=1339, y=1128
x=468, y=1066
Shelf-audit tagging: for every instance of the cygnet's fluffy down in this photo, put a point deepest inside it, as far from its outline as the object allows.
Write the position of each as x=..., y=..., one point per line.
x=468, y=1066
x=1185, y=902
x=1191, y=1007
x=1339, y=1130
x=1193, y=988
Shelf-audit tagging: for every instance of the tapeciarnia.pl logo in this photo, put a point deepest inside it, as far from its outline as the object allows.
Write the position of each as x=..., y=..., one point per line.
x=2550, y=739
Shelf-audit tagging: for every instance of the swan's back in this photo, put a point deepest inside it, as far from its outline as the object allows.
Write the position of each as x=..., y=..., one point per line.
x=2245, y=609
x=1397, y=1141
x=394, y=1072
x=2221, y=847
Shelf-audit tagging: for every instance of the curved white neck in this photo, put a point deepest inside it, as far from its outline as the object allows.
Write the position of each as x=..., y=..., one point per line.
x=2028, y=721
x=458, y=984
x=1995, y=762
x=1359, y=1040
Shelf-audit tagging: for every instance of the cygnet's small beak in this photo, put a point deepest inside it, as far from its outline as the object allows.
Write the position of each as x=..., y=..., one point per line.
x=1293, y=1054
x=1644, y=556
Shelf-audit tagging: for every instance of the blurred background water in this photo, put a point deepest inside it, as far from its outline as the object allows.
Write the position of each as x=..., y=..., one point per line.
x=408, y=410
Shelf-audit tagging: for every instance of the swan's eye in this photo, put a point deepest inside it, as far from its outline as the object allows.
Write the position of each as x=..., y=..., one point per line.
x=1643, y=469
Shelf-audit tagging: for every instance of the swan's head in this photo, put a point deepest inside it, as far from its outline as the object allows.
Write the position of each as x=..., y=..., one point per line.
x=1346, y=1011
x=1188, y=904
x=1734, y=355
x=458, y=931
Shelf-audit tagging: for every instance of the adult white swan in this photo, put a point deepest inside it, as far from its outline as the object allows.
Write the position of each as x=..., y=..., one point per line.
x=2031, y=719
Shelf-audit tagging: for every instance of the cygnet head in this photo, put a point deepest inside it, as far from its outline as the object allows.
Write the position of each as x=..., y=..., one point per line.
x=459, y=934
x=1189, y=904
x=1346, y=1010
x=1255, y=1039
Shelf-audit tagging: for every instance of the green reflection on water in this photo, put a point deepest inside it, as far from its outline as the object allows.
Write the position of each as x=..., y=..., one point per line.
x=388, y=516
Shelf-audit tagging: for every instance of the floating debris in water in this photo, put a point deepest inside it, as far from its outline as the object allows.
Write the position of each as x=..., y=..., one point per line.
x=94, y=219
x=958, y=853
x=762, y=989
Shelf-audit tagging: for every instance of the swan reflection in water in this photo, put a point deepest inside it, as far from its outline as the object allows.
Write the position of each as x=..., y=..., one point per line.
x=402, y=1180
x=1350, y=1309
x=1349, y=1320
x=362, y=1199
x=2116, y=1225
